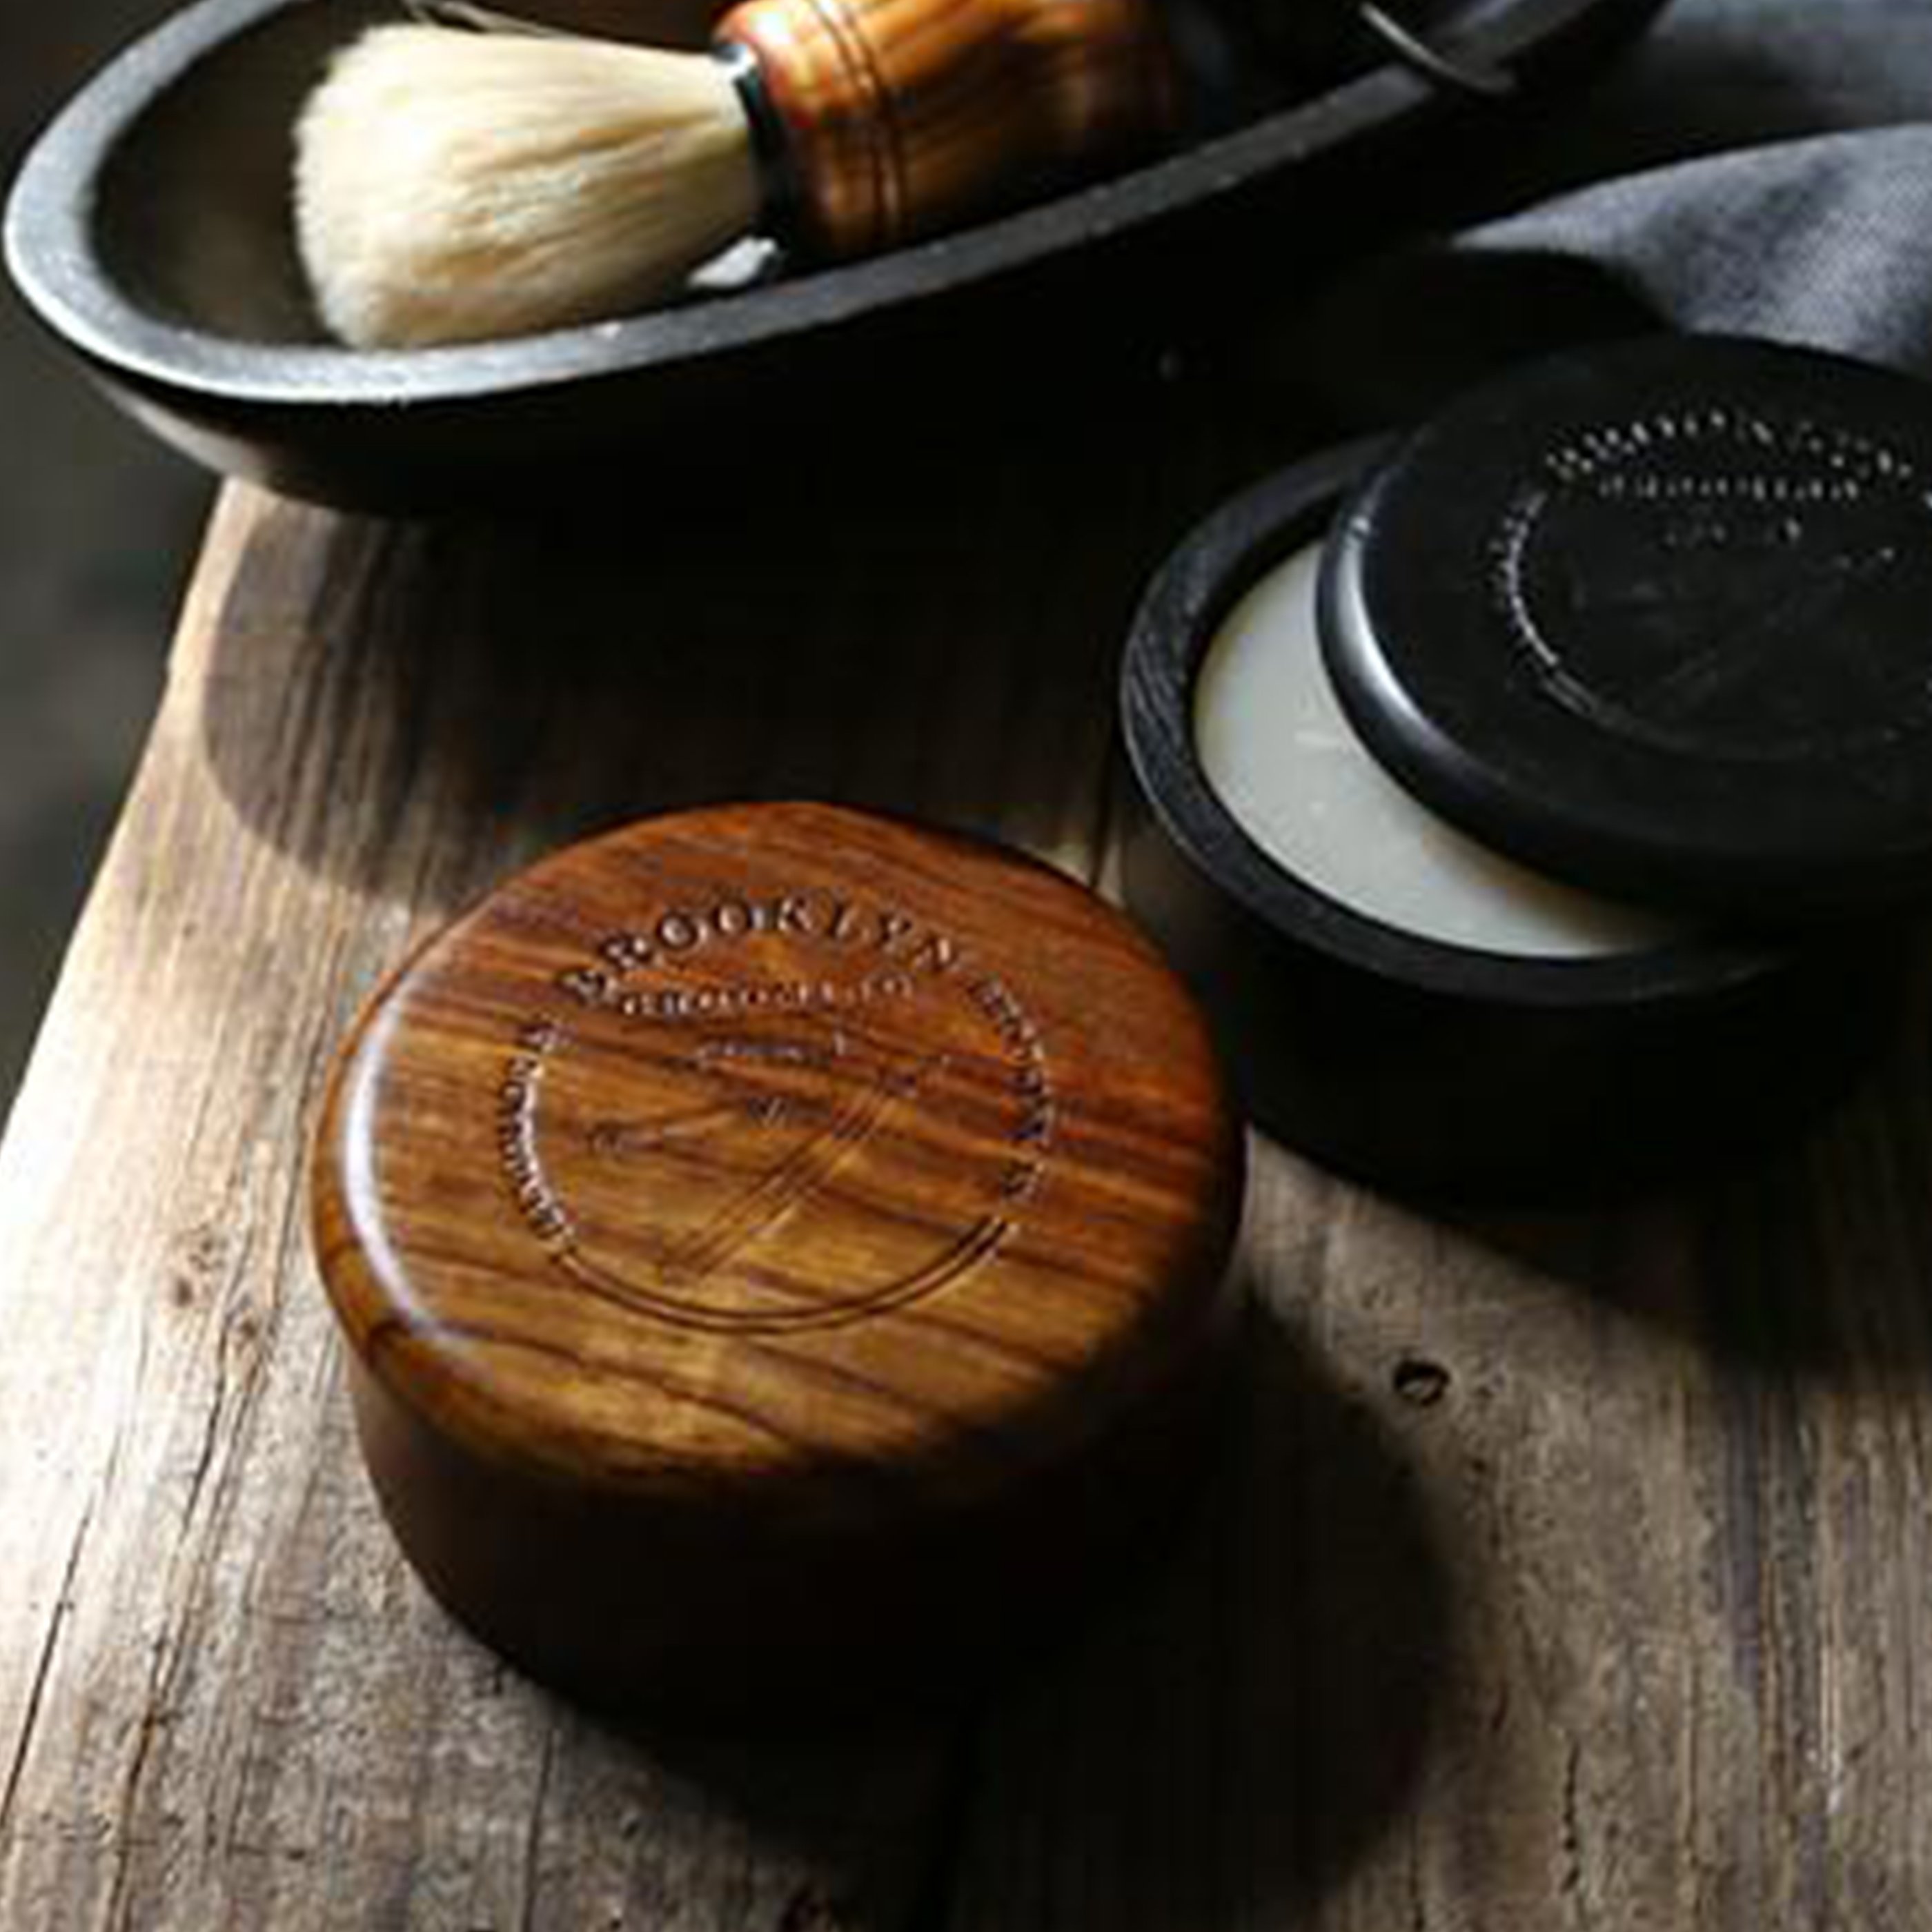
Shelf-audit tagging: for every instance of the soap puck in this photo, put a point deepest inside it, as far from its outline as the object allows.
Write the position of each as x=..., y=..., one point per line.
x=1658, y=620
x=1581, y=1057
x=782, y=1256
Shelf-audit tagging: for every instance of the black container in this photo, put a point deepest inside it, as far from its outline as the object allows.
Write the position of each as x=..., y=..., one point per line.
x=1439, y=1068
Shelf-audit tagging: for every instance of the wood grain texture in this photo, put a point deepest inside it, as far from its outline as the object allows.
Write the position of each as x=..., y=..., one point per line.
x=778, y=1202
x=900, y=116
x=865, y=1150
x=1561, y=1574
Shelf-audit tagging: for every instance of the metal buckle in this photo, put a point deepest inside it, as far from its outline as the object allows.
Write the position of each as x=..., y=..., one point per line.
x=1481, y=78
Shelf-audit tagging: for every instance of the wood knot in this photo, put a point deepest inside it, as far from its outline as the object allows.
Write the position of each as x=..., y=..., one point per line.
x=1423, y=1383
x=201, y=1260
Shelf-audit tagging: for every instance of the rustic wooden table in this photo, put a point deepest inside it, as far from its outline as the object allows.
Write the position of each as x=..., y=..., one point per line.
x=1569, y=1571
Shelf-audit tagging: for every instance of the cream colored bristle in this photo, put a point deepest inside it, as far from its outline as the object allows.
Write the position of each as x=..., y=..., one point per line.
x=453, y=186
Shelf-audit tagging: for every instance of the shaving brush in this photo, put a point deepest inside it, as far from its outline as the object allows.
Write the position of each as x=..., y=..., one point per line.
x=453, y=185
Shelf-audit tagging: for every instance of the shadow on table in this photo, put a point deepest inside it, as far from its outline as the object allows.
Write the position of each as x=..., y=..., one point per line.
x=1812, y=1256
x=941, y=640
x=1223, y=1744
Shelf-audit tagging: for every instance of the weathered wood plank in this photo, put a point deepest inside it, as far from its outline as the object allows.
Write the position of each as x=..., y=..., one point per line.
x=1587, y=1587
x=1562, y=1572
x=225, y=1702
x=222, y=1698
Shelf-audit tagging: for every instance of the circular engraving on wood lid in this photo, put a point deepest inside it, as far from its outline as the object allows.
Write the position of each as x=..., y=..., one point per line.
x=781, y=1154
x=731, y=1113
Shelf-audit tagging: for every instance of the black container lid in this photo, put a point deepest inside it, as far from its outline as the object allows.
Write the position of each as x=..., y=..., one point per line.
x=1657, y=619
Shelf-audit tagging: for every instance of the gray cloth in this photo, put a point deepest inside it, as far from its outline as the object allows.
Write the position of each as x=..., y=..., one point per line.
x=1762, y=166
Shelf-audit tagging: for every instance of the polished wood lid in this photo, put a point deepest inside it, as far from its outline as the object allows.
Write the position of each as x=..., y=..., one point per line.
x=776, y=1164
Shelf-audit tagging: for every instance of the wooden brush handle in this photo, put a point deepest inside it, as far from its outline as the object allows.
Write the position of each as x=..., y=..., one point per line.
x=897, y=116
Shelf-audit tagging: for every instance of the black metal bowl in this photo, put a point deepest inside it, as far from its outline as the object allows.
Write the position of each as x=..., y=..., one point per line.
x=150, y=229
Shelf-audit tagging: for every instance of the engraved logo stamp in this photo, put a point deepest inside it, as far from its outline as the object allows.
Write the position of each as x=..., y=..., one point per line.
x=828, y=1109
x=1723, y=580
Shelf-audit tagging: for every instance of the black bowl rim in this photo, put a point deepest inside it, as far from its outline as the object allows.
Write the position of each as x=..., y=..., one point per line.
x=50, y=252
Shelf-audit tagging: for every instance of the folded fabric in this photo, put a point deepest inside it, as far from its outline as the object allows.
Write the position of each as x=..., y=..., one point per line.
x=1760, y=166
x=1827, y=242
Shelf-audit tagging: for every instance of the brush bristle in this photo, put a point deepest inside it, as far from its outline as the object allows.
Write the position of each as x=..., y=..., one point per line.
x=451, y=187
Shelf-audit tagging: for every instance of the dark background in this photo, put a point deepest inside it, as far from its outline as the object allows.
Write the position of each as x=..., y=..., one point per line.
x=97, y=526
